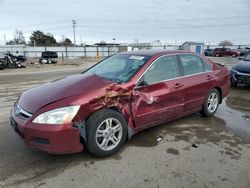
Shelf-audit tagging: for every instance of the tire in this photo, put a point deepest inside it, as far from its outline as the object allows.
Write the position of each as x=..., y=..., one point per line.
x=106, y=132
x=217, y=55
x=209, y=109
x=234, y=55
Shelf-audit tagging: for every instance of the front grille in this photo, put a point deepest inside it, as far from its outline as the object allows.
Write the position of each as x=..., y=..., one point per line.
x=243, y=79
x=21, y=113
x=44, y=141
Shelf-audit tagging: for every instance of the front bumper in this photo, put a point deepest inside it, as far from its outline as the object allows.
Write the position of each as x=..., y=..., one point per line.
x=239, y=77
x=56, y=139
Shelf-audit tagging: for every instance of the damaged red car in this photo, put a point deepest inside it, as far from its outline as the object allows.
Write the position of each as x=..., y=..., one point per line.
x=104, y=106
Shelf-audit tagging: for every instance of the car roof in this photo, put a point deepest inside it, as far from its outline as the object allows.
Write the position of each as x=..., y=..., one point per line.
x=155, y=52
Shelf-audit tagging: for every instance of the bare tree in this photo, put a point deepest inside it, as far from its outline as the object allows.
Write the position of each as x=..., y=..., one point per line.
x=18, y=37
x=225, y=43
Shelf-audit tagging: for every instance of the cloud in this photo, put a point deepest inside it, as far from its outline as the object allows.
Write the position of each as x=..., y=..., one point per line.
x=165, y=20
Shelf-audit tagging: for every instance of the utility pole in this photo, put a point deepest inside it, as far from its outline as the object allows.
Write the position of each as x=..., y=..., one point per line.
x=4, y=39
x=74, y=33
x=114, y=45
x=81, y=40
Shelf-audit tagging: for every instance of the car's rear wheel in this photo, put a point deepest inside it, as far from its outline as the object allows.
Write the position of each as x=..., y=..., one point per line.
x=217, y=55
x=211, y=103
x=234, y=55
x=106, y=132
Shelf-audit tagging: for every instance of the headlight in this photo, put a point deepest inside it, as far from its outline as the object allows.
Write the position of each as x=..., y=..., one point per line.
x=57, y=116
x=233, y=70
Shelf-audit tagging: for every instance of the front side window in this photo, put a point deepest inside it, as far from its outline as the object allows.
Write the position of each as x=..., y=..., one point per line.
x=118, y=68
x=193, y=64
x=162, y=69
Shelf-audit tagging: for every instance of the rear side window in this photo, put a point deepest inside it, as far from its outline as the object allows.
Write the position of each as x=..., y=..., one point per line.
x=162, y=69
x=193, y=64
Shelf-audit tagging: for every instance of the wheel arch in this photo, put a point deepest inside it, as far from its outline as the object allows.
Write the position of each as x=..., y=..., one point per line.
x=127, y=119
x=220, y=92
x=83, y=131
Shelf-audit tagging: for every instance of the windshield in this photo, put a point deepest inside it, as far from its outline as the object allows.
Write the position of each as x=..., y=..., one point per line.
x=119, y=68
x=247, y=58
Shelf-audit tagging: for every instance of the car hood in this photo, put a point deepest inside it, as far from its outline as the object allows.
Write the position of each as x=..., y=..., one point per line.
x=34, y=99
x=243, y=66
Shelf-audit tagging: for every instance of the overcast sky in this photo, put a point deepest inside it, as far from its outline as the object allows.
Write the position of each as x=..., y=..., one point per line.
x=169, y=21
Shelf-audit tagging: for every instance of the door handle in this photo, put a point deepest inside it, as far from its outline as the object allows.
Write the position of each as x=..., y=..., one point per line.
x=178, y=85
x=209, y=77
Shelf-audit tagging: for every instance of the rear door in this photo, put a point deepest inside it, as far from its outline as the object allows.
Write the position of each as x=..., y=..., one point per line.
x=158, y=95
x=197, y=79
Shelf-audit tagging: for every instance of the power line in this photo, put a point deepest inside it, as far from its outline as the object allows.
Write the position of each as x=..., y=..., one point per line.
x=167, y=26
x=127, y=20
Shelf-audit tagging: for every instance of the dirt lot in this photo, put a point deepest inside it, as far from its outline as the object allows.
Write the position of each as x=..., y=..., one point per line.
x=194, y=151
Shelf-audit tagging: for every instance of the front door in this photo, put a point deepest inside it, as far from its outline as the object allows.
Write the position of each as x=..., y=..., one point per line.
x=158, y=95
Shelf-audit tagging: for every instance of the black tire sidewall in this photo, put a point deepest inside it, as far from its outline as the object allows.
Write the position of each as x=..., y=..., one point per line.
x=92, y=124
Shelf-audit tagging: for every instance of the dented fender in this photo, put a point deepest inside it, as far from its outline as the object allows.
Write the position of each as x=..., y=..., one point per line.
x=113, y=97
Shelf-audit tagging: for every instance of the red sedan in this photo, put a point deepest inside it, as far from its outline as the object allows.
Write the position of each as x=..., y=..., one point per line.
x=105, y=105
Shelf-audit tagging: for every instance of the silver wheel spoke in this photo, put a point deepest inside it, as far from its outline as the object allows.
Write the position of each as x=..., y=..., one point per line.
x=114, y=140
x=108, y=123
x=104, y=143
x=117, y=128
x=100, y=133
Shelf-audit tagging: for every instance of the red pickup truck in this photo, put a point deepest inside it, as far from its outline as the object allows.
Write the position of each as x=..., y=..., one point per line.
x=225, y=52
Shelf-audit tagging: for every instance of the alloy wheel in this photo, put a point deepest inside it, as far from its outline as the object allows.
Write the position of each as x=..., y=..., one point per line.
x=213, y=102
x=109, y=134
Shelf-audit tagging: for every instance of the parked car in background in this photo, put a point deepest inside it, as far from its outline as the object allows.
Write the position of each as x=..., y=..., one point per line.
x=240, y=73
x=118, y=97
x=48, y=57
x=244, y=51
x=208, y=52
x=2, y=61
x=220, y=52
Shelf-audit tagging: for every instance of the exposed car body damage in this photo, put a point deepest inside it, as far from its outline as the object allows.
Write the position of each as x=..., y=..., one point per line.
x=115, y=97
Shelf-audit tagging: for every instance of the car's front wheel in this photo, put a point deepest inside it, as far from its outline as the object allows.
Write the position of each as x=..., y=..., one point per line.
x=211, y=103
x=106, y=132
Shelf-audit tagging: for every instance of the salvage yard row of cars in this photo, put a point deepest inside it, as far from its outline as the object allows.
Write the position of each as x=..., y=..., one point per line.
x=104, y=106
x=220, y=52
x=8, y=60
